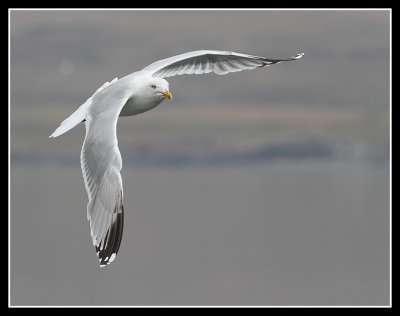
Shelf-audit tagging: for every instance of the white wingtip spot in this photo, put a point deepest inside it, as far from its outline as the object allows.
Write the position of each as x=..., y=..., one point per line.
x=112, y=257
x=298, y=56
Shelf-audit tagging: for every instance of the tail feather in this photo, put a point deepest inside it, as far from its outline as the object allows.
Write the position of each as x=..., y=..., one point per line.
x=79, y=115
x=74, y=119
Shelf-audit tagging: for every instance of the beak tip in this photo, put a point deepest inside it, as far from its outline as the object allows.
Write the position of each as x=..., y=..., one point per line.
x=167, y=94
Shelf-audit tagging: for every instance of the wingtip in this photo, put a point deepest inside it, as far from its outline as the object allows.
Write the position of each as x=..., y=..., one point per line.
x=298, y=56
x=106, y=261
x=108, y=248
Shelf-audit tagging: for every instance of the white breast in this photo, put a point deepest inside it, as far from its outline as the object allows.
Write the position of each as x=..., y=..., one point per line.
x=136, y=106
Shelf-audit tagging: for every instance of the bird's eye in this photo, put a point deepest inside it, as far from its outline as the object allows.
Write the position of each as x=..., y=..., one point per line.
x=153, y=86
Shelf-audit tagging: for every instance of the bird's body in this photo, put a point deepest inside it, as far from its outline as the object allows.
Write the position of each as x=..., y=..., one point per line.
x=136, y=93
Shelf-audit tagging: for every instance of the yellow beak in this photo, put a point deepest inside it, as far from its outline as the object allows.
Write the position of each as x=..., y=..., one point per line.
x=167, y=94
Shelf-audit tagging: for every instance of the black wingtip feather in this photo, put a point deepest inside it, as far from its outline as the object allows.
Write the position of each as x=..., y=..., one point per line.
x=112, y=241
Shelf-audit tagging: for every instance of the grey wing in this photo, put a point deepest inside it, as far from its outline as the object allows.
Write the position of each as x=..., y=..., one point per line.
x=206, y=61
x=101, y=165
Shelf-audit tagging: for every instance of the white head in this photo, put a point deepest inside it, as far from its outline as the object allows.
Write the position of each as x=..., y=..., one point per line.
x=157, y=88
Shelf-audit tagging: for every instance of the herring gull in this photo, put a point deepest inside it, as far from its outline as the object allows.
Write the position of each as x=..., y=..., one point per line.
x=133, y=94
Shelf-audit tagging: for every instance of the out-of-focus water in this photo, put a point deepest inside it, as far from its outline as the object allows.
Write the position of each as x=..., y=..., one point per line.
x=280, y=233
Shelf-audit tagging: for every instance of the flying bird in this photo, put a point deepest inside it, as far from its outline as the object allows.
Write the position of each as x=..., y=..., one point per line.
x=133, y=94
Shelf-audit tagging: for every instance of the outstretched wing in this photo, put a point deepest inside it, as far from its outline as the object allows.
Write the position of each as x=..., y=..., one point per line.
x=206, y=61
x=101, y=165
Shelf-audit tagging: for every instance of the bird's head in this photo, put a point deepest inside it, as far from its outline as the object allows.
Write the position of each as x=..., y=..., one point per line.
x=158, y=87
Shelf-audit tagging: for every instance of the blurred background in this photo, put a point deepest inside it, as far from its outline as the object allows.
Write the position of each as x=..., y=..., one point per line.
x=263, y=187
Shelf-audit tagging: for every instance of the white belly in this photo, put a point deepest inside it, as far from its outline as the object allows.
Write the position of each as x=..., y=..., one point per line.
x=133, y=107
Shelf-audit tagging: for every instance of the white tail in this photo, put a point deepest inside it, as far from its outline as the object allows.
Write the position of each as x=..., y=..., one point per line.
x=73, y=120
x=79, y=115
